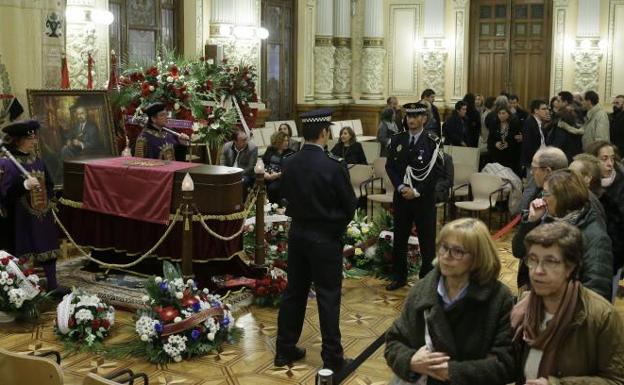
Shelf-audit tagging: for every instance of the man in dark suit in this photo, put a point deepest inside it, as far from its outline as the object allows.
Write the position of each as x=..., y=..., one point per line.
x=241, y=153
x=321, y=203
x=455, y=129
x=533, y=130
x=414, y=165
x=617, y=123
x=516, y=110
x=429, y=95
x=84, y=138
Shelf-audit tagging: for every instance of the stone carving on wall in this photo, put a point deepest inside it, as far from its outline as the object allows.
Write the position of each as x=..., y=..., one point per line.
x=558, y=46
x=54, y=24
x=458, y=67
x=586, y=69
x=612, y=70
x=323, y=71
x=342, y=72
x=433, y=69
x=372, y=70
x=81, y=43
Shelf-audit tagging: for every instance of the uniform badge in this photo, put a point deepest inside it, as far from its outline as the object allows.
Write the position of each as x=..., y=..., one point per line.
x=399, y=148
x=420, y=155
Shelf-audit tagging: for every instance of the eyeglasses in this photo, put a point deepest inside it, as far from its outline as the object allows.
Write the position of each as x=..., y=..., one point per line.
x=454, y=252
x=548, y=264
x=546, y=194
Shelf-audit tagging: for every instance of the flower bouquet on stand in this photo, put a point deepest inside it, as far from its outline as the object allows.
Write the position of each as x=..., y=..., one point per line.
x=180, y=322
x=268, y=290
x=83, y=321
x=358, y=238
x=20, y=294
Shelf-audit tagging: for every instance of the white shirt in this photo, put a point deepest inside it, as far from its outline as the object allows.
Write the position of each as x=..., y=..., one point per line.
x=444, y=294
x=531, y=367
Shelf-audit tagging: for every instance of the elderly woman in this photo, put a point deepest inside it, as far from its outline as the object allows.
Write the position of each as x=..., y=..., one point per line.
x=453, y=327
x=565, y=198
x=349, y=148
x=273, y=158
x=564, y=333
x=286, y=129
x=613, y=183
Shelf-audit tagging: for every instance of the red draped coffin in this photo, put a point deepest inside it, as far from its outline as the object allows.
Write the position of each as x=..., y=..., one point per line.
x=218, y=196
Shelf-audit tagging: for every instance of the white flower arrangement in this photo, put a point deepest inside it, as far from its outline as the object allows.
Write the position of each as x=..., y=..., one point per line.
x=20, y=293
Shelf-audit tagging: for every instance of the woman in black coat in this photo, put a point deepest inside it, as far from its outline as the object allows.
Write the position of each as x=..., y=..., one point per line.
x=273, y=158
x=505, y=140
x=348, y=148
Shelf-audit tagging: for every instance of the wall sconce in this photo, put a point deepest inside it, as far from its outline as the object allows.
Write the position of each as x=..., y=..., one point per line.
x=82, y=15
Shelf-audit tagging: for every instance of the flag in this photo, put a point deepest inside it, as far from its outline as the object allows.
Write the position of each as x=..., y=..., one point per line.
x=89, y=71
x=64, y=73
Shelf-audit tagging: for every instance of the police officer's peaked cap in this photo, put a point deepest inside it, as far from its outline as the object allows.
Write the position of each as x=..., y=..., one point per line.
x=317, y=117
x=415, y=109
x=22, y=128
x=154, y=108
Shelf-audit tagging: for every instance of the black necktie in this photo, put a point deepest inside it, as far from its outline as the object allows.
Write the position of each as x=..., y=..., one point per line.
x=412, y=141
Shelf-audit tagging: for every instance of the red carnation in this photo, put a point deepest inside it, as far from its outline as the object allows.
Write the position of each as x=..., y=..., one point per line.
x=173, y=70
x=105, y=323
x=168, y=313
x=71, y=322
x=152, y=71
x=95, y=324
x=388, y=237
x=28, y=272
x=348, y=266
x=209, y=85
x=5, y=261
x=261, y=291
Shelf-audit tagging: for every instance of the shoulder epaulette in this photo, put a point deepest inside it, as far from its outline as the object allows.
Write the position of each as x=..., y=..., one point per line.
x=334, y=157
x=432, y=135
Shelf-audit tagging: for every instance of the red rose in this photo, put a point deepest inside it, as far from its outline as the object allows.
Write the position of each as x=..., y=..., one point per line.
x=95, y=324
x=261, y=291
x=5, y=261
x=105, y=323
x=173, y=70
x=348, y=266
x=152, y=71
x=265, y=282
x=209, y=85
x=28, y=272
x=388, y=237
x=71, y=322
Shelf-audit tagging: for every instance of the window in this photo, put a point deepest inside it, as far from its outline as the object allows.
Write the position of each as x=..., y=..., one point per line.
x=142, y=28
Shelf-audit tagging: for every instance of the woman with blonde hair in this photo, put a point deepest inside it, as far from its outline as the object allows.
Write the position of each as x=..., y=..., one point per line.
x=454, y=324
x=273, y=158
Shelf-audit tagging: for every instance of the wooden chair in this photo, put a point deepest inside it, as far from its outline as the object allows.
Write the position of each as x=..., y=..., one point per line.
x=123, y=376
x=22, y=369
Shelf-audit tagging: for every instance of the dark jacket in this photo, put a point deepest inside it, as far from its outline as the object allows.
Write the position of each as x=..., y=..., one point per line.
x=597, y=267
x=435, y=117
x=445, y=183
x=246, y=159
x=613, y=202
x=531, y=139
x=509, y=156
x=455, y=131
x=473, y=123
x=318, y=190
x=273, y=160
x=353, y=154
x=400, y=156
x=474, y=332
x=571, y=144
x=593, y=351
x=616, y=129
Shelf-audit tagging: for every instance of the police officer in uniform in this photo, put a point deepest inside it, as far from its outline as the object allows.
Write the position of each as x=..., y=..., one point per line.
x=321, y=203
x=414, y=165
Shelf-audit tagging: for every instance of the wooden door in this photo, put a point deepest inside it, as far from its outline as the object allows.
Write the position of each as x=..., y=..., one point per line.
x=510, y=44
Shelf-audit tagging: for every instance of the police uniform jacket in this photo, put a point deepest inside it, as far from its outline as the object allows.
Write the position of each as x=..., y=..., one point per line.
x=318, y=190
x=400, y=155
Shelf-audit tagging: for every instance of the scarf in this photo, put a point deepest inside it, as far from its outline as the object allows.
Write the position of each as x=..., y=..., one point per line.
x=608, y=181
x=572, y=217
x=527, y=316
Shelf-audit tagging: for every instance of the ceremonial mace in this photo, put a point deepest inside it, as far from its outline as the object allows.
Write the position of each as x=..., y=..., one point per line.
x=17, y=164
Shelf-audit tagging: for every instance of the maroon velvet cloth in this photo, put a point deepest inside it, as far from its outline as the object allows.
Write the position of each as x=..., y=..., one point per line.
x=103, y=231
x=112, y=186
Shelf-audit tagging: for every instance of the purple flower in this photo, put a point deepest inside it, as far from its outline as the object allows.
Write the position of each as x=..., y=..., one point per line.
x=196, y=307
x=163, y=286
x=225, y=322
x=158, y=327
x=195, y=334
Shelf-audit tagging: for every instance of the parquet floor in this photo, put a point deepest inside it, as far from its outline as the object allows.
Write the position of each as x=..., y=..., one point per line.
x=367, y=311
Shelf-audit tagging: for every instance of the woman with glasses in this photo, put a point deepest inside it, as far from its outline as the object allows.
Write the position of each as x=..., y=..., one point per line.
x=565, y=198
x=453, y=327
x=564, y=333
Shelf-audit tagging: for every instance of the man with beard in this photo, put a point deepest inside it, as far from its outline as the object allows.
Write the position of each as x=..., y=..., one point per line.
x=617, y=123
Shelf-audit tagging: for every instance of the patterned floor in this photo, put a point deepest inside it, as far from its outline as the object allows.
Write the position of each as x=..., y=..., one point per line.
x=367, y=311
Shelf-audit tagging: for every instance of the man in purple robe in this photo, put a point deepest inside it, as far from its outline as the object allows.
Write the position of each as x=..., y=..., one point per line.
x=154, y=142
x=25, y=201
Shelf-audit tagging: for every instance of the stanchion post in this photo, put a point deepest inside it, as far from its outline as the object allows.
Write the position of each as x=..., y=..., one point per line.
x=187, y=231
x=260, y=252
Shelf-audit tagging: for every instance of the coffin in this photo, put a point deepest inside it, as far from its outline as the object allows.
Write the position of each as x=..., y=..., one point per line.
x=218, y=189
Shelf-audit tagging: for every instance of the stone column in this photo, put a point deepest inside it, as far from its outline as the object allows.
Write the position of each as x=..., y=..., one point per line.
x=324, y=52
x=308, y=57
x=460, y=13
x=433, y=55
x=373, y=53
x=559, y=30
x=587, y=54
x=342, y=56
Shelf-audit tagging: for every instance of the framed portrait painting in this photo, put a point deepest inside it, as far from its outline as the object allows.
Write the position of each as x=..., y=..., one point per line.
x=74, y=123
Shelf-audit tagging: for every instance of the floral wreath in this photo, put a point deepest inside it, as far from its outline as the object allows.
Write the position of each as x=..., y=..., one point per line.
x=20, y=294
